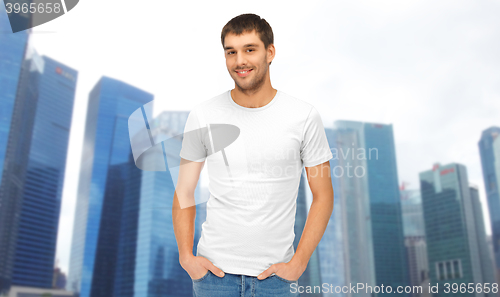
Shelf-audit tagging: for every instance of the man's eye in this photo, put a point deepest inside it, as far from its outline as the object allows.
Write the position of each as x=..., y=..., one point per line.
x=249, y=49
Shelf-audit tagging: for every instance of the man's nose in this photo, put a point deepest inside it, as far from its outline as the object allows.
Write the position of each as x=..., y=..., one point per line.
x=241, y=60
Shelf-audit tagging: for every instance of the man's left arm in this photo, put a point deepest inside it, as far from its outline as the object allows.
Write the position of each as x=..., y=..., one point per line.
x=320, y=182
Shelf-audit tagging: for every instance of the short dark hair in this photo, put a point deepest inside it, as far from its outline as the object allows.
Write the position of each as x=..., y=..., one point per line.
x=247, y=23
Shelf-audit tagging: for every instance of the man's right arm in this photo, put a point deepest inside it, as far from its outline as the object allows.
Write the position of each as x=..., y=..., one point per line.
x=184, y=207
x=183, y=216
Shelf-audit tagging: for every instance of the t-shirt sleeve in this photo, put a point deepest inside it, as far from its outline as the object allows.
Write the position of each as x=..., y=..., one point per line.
x=314, y=149
x=193, y=148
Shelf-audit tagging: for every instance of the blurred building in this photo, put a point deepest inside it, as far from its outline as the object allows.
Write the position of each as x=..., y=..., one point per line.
x=371, y=209
x=106, y=222
x=12, y=58
x=414, y=232
x=413, y=217
x=34, y=160
x=59, y=279
x=451, y=228
x=19, y=291
x=159, y=272
x=491, y=177
x=485, y=256
x=201, y=215
x=53, y=85
x=331, y=247
x=170, y=123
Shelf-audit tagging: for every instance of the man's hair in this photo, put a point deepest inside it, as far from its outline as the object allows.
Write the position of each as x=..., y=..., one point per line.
x=247, y=23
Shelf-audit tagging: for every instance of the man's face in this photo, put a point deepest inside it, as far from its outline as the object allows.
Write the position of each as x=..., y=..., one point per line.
x=246, y=52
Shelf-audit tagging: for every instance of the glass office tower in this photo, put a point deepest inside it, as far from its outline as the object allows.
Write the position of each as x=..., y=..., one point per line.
x=108, y=191
x=414, y=232
x=413, y=217
x=355, y=204
x=12, y=54
x=330, y=248
x=450, y=228
x=387, y=227
x=368, y=188
x=485, y=256
x=158, y=272
x=170, y=125
x=53, y=85
x=491, y=177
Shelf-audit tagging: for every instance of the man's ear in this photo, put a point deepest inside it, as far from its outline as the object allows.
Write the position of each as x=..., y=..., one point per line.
x=271, y=52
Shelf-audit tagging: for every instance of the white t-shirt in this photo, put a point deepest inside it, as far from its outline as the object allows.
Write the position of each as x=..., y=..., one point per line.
x=255, y=157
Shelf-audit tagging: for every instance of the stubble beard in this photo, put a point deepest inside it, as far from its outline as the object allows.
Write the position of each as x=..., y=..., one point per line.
x=257, y=83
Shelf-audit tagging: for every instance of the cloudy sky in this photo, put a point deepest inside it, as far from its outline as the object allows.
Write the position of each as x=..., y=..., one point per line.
x=429, y=68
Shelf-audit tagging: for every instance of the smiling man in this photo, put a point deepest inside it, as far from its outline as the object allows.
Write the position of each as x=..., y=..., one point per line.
x=246, y=244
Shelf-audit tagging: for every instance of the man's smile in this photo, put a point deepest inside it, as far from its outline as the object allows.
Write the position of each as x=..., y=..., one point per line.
x=243, y=73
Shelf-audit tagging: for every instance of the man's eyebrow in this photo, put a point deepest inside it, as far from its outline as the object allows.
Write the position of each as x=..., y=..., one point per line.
x=246, y=45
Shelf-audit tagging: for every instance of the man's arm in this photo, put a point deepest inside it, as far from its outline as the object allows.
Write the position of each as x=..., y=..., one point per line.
x=183, y=207
x=183, y=217
x=320, y=182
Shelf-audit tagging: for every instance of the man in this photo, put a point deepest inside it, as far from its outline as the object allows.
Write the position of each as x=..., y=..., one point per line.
x=246, y=245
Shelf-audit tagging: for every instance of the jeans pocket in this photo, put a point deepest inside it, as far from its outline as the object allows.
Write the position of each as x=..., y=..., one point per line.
x=202, y=278
x=285, y=280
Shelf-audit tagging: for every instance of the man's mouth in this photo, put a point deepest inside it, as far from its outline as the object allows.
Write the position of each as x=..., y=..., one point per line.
x=243, y=73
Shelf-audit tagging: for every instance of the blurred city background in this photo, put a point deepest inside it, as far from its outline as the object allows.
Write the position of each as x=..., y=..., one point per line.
x=410, y=99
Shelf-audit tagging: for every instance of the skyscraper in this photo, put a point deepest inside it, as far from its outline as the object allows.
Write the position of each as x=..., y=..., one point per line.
x=108, y=191
x=413, y=217
x=53, y=84
x=12, y=54
x=158, y=272
x=450, y=228
x=491, y=176
x=330, y=248
x=414, y=232
x=36, y=116
x=485, y=257
x=373, y=229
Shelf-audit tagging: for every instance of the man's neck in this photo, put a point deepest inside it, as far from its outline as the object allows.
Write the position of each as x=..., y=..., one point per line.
x=253, y=100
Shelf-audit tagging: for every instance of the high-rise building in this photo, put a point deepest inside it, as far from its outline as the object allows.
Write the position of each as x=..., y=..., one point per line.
x=12, y=58
x=485, y=257
x=372, y=224
x=170, y=123
x=414, y=232
x=53, y=84
x=331, y=247
x=158, y=271
x=450, y=228
x=413, y=218
x=106, y=214
x=59, y=279
x=496, y=157
x=491, y=177
x=36, y=118
x=418, y=267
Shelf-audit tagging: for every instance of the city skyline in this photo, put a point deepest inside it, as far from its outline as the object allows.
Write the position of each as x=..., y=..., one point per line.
x=114, y=248
x=416, y=147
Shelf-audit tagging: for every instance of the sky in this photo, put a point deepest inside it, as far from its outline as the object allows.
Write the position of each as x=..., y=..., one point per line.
x=429, y=68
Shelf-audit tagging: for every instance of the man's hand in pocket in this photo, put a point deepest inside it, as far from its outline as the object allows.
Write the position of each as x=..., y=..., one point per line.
x=197, y=267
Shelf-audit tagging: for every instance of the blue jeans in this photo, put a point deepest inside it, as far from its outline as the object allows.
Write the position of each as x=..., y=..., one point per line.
x=237, y=285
